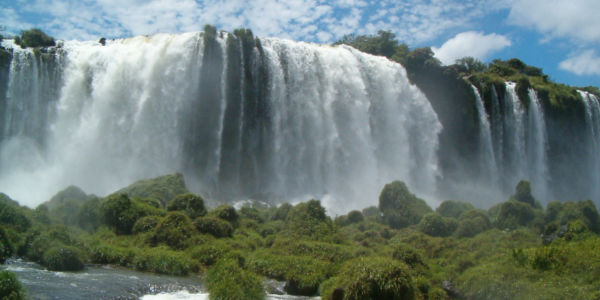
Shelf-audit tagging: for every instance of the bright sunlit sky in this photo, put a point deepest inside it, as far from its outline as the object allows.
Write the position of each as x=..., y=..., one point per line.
x=560, y=36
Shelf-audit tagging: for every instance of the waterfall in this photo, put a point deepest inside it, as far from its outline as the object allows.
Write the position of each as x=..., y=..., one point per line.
x=537, y=145
x=486, y=149
x=240, y=117
x=592, y=120
x=514, y=138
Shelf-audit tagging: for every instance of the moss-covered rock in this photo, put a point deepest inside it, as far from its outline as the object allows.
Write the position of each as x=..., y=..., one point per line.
x=227, y=281
x=370, y=278
x=192, y=205
x=435, y=225
x=453, y=208
x=523, y=193
x=164, y=188
x=400, y=207
x=10, y=287
x=62, y=258
x=217, y=227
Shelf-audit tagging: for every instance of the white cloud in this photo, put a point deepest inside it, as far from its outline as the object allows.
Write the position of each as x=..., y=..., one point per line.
x=584, y=63
x=573, y=19
x=470, y=43
x=413, y=21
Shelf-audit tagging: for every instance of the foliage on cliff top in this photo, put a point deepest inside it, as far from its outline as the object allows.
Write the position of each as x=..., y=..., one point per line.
x=34, y=38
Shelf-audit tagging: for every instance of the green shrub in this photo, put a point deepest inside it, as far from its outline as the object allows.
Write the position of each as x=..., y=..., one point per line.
x=145, y=224
x=548, y=257
x=227, y=213
x=453, y=209
x=164, y=261
x=400, y=207
x=302, y=274
x=192, y=205
x=308, y=220
x=408, y=255
x=435, y=225
x=90, y=214
x=227, y=281
x=173, y=230
x=319, y=250
x=163, y=188
x=371, y=278
x=11, y=214
x=121, y=213
x=62, y=258
x=523, y=193
x=108, y=254
x=281, y=212
x=34, y=38
x=513, y=214
x=36, y=242
x=563, y=213
x=472, y=223
x=251, y=213
x=10, y=287
x=6, y=248
x=209, y=253
x=217, y=227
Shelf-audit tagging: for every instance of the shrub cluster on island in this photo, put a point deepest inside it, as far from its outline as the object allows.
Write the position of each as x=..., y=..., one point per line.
x=401, y=249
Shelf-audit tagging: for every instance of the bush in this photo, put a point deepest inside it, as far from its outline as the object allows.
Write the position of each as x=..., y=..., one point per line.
x=408, y=255
x=472, y=223
x=227, y=213
x=513, y=214
x=453, y=209
x=308, y=220
x=145, y=224
x=108, y=254
x=523, y=193
x=302, y=274
x=164, y=261
x=281, y=212
x=34, y=38
x=400, y=207
x=90, y=214
x=564, y=213
x=251, y=213
x=435, y=225
x=173, y=230
x=62, y=258
x=227, y=281
x=217, y=227
x=191, y=204
x=10, y=287
x=6, y=248
x=209, y=253
x=121, y=213
x=371, y=278
x=11, y=214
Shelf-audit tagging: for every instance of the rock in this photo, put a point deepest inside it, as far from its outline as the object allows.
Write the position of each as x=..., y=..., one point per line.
x=451, y=290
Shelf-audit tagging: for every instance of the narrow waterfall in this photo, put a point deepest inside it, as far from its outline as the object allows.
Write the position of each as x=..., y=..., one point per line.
x=537, y=148
x=514, y=150
x=240, y=117
x=487, y=157
x=592, y=120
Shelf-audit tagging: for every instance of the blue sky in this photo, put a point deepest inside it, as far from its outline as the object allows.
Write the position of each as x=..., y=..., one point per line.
x=560, y=36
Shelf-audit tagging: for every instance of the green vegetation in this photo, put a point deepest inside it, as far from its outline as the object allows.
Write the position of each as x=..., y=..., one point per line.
x=34, y=38
x=400, y=207
x=10, y=288
x=163, y=188
x=455, y=252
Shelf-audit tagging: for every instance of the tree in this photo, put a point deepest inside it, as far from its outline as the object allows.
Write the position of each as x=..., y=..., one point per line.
x=34, y=38
x=471, y=64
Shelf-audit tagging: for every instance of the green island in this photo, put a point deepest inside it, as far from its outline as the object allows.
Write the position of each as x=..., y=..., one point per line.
x=401, y=249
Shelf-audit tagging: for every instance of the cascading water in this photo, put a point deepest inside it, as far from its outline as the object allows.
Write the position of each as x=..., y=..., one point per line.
x=592, y=119
x=487, y=157
x=537, y=145
x=270, y=119
x=513, y=138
